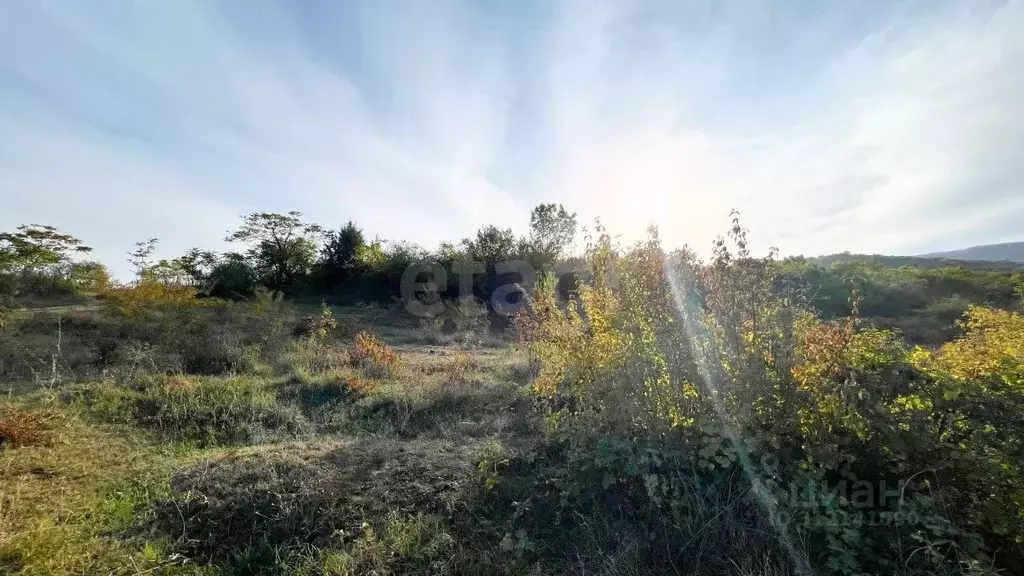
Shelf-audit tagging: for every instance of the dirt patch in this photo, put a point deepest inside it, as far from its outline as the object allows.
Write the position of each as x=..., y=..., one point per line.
x=310, y=495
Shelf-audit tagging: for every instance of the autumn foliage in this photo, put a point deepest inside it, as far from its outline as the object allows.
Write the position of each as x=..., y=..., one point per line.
x=719, y=367
x=374, y=357
x=131, y=300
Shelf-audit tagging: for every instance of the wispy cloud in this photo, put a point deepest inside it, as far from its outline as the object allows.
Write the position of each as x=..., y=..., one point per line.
x=897, y=138
x=867, y=127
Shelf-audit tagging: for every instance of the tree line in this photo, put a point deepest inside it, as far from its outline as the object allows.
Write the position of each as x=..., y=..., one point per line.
x=287, y=254
x=283, y=253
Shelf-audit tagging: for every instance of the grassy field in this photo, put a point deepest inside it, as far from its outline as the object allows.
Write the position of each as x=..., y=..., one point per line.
x=646, y=411
x=308, y=462
x=631, y=431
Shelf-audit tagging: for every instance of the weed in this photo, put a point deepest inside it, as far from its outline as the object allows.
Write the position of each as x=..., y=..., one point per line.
x=418, y=545
x=375, y=358
x=312, y=358
x=460, y=367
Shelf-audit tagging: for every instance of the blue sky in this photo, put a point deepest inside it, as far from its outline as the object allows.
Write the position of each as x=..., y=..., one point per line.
x=892, y=127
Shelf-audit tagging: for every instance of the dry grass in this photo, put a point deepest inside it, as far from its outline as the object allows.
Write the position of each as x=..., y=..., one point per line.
x=202, y=411
x=320, y=493
x=20, y=427
x=135, y=476
x=460, y=367
x=363, y=386
x=312, y=358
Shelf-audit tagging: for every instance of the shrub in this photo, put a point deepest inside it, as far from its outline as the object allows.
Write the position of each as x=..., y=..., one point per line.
x=362, y=386
x=375, y=358
x=460, y=367
x=88, y=277
x=311, y=353
x=233, y=278
x=197, y=337
x=673, y=375
x=216, y=337
x=318, y=327
x=20, y=427
x=149, y=294
x=36, y=286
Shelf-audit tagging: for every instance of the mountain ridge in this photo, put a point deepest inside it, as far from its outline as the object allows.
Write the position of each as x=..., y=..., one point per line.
x=1002, y=252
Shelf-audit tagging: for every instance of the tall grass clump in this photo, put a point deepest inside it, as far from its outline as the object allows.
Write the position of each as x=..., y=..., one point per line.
x=198, y=411
x=312, y=352
x=703, y=418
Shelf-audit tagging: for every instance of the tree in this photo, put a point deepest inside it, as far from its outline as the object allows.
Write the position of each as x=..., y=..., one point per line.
x=552, y=231
x=34, y=247
x=171, y=272
x=88, y=277
x=281, y=246
x=35, y=259
x=190, y=269
x=141, y=258
x=197, y=265
x=339, y=257
x=491, y=245
x=232, y=277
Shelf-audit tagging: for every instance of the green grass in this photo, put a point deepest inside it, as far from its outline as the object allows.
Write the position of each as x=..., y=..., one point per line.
x=72, y=502
x=202, y=411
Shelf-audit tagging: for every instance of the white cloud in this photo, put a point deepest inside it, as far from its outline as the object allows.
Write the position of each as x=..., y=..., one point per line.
x=235, y=130
x=890, y=130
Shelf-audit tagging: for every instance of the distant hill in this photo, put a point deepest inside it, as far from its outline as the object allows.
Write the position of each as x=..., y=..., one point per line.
x=1009, y=251
x=1008, y=256
x=939, y=260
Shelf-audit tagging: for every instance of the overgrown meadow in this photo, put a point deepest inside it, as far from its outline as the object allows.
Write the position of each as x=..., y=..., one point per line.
x=644, y=411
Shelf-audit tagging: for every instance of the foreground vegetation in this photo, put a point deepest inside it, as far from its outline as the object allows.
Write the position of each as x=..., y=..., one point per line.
x=654, y=414
x=713, y=413
x=218, y=437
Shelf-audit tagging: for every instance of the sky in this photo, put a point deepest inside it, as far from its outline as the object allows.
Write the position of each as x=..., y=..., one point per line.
x=870, y=126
